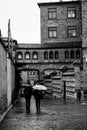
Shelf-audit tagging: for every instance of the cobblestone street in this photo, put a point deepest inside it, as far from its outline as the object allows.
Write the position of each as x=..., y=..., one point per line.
x=55, y=115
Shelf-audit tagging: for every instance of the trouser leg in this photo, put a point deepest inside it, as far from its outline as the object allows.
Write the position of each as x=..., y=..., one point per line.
x=28, y=105
x=38, y=106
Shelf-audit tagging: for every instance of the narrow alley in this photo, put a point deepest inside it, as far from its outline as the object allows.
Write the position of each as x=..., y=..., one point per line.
x=55, y=115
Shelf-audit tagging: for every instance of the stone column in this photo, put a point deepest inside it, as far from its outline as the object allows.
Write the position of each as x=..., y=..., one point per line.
x=77, y=77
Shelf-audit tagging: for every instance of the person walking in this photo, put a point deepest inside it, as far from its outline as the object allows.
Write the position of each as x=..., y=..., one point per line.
x=79, y=95
x=38, y=96
x=28, y=92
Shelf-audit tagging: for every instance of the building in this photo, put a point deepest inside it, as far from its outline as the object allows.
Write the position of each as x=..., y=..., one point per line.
x=63, y=37
x=8, y=87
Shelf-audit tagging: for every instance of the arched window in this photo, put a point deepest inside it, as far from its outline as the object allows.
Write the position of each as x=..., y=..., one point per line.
x=72, y=54
x=45, y=55
x=35, y=55
x=19, y=55
x=56, y=55
x=77, y=53
x=27, y=55
x=51, y=55
x=66, y=54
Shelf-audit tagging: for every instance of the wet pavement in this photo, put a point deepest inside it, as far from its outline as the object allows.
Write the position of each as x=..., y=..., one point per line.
x=55, y=115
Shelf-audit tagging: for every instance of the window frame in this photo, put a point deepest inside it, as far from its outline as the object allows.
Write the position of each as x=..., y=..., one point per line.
x=29, y=55
x=72, y=54
x=45, y=55
x=72, y=29
x=71, y=9
x=56, y=55
x=35, y=53
x=66, y=57
x=78, y=53
x=52, y=30
x=52, y=11
x=51, y=55
x=19, y=53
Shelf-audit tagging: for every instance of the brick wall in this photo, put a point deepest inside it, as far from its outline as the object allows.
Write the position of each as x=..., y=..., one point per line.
x=7, y=80
x=3, y=79
x=61, y=23
x=84, y=40
x=10, y=82
x=84, y=22
x=13, y=82
x=41, y=59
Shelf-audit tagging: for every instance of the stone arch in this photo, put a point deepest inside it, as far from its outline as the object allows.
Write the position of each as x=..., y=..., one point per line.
x=19, y=55
x=35, y=55
x=27, y=55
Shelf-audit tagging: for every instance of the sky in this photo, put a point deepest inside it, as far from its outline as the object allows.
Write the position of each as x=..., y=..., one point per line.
x=24, y=18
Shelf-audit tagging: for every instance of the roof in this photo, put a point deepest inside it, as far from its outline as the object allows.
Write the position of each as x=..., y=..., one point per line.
x=5, y=39
x=77, y=62
x=58, y=3
x=2, y=43
x=50, y=45
x=28, y=46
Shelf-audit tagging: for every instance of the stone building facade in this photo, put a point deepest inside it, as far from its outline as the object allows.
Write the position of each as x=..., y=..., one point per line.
x=62, y=19
x=61, y=56
x=3, y=78
x=84, y=41
x=7, y=79
x=60, y=44
x=63, y=45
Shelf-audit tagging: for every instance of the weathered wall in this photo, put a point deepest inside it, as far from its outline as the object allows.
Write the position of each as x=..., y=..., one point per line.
x=10, y=82
x=84, y=40
x=7, y=80
x=13, y=87
x=41, y=59
x=84, y=22
x=61, y=22
x=3, y=79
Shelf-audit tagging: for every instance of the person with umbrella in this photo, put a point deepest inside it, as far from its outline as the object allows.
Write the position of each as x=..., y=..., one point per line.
x=28, y=92
x=38, y=94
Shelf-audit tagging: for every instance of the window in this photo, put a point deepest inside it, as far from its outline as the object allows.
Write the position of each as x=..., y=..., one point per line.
x=56, y=54
x=45, y=55
x=78, y=54
x=27, y=55
x=52, y=32
x=72, y=31
x=66, y=54
x=19, y=55
x=35, y=55
x=52, y=13
x=51, y=55
x=72, y=54
x=71, y=12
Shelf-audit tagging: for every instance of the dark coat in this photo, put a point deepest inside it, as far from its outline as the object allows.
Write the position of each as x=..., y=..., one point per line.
x=28, y=92
x=79, y=94
x=38, y=94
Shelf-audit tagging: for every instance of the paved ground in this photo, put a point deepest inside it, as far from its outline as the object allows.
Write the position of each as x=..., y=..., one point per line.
x=55, y=115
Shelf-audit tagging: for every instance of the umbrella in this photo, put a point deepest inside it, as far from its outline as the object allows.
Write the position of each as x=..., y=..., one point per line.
x=39, y=87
